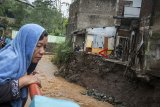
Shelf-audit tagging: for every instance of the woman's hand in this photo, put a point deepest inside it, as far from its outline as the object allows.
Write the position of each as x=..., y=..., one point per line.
x=35, y=72
x=28, y=79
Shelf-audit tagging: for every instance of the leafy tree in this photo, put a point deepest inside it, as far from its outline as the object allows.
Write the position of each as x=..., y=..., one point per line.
x=46, y=15
x=13, y=9
x=43, y=13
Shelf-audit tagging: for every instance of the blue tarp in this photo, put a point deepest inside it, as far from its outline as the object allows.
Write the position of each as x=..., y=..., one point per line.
x=42, y=101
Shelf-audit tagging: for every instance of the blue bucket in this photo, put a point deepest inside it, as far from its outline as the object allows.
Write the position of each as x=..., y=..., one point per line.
x=42, y=101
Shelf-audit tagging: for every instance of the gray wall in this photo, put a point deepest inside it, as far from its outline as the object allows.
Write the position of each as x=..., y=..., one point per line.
x=152, y=40
x=73, y=11
x=96, y=13
x=91, y=13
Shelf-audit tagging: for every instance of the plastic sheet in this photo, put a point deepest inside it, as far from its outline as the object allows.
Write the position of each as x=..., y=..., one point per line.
x=42, y=101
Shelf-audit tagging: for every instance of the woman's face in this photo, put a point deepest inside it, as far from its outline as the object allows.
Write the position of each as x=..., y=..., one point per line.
x=39, y=50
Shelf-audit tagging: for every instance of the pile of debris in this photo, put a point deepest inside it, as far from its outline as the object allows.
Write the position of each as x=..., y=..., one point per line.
x=103, y=97
x=106, y=82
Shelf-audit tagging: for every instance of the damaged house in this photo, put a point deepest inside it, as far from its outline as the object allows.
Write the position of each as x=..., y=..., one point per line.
x=89, y=23
x=138, y=32
x=98, y=39
x=135, y=39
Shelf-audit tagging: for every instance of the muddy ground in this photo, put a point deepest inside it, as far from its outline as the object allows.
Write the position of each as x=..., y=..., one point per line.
x=57, y=87
x=108, y=79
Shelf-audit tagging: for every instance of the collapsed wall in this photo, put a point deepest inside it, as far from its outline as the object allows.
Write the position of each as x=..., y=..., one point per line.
x=93, y=72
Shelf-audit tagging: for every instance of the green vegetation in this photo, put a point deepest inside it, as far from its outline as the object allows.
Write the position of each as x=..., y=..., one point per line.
x=44, y=13
x=63, y=52
x=155, y=36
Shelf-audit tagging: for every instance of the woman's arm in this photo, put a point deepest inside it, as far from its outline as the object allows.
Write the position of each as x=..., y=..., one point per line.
x=9, y=91
x=28, y=79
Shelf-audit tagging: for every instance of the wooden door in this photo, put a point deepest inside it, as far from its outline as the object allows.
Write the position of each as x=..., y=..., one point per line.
x=105, y=44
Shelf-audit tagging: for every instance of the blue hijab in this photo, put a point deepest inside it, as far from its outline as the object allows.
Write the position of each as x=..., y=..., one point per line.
x=16, y=57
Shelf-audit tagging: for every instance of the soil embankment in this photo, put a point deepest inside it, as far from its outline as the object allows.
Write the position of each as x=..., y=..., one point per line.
x=105, y=79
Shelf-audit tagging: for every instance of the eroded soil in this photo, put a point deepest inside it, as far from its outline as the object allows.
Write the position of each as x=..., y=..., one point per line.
x=58, y=87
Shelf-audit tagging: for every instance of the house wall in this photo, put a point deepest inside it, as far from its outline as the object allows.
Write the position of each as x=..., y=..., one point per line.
x=119, y=10
x=98, y=39
x=154, y=41
x=89, y=41
x=91, y=13
x=146, y=8
x=73, y=12
x=99, y=34
x=111, y=43
x=96, y=13
x=132, y=8
x=150, y=30
x=79, y=40
x=156, y=16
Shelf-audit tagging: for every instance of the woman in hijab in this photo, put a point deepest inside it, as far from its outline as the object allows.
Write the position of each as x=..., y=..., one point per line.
x=17, y=61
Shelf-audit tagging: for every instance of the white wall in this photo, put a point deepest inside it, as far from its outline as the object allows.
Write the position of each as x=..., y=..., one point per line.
x=51, y=38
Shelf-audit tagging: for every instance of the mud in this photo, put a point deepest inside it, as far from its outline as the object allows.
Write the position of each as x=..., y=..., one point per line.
x=57, y=87
x=93, y=72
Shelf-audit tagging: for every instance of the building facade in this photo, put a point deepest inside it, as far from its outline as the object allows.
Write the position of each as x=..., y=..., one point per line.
x=138, y=32
x=91, y=13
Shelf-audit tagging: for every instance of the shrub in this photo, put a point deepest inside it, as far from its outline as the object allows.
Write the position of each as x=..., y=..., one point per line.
x=62, y=53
